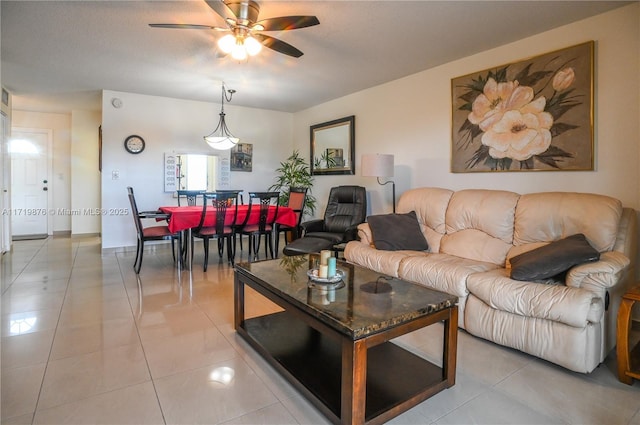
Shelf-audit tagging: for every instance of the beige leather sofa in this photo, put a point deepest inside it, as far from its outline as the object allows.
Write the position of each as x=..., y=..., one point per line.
x=472, y=234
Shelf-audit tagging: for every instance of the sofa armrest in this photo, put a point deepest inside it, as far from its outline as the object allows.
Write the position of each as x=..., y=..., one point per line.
x=313, y=225
x=364, y=234
x=601, y=274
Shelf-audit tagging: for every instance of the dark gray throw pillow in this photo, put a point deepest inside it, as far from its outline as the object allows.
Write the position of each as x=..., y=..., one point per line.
x=393, y=232
x=553, y=259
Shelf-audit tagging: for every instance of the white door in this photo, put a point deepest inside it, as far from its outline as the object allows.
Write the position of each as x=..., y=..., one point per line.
x=29, y=183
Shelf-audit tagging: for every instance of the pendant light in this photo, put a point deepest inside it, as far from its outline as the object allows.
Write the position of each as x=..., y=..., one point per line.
x=221, y=138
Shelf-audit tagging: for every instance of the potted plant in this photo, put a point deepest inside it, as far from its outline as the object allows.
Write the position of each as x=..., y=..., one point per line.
x=295, y=172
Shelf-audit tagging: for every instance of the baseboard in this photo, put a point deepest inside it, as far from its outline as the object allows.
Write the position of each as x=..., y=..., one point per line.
x=84, y=235
x=29, y=237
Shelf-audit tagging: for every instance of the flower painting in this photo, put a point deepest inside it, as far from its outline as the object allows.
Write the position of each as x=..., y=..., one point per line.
x=535, y=114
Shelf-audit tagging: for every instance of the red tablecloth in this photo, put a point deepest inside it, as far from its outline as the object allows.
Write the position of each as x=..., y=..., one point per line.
x=183, y=218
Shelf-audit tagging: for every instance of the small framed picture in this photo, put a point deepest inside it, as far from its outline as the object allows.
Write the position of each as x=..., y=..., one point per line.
x=242, y=157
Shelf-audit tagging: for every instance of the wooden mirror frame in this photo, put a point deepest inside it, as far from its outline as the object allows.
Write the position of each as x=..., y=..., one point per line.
x=330, y=140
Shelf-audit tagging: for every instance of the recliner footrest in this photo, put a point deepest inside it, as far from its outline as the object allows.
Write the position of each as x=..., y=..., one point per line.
x=307, y=245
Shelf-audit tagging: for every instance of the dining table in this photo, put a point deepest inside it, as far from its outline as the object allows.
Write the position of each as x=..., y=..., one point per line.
x=185, y=218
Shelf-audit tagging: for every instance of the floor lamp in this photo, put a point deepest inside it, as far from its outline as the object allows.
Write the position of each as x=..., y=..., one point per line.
x=380, y=165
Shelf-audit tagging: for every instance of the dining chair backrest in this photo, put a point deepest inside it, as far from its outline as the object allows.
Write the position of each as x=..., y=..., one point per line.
x=191, y=196
x=239, y=194
x=297, y=197
x=221, y=202
x=134, y=211
x=263, y=201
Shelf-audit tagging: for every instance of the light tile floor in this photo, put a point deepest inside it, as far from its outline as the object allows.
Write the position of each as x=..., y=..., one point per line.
x=84, y=343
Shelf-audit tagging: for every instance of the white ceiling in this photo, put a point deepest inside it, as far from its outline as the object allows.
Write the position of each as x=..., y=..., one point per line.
x=58, y=55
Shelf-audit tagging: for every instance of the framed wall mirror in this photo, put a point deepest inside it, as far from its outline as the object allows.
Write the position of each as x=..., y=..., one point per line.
x=333, y=147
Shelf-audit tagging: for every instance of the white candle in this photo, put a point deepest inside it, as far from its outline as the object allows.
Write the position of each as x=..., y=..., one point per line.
x=324, y=256
x=322, y=270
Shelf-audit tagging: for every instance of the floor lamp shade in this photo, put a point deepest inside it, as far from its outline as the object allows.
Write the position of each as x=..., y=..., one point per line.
x=377, y=165
x=380, y=165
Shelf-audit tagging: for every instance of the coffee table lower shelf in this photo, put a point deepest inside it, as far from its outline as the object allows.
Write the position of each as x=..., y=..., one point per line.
x=396, y=379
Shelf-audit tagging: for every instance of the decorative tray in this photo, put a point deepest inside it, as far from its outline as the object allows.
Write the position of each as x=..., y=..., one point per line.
x=313, y=275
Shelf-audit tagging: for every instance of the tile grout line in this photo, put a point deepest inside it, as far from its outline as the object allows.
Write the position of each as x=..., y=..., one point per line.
x=144, y=353
x=55, y=332
x=25, y=266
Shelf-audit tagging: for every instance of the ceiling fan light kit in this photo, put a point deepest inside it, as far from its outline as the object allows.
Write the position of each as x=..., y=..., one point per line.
x=221, y=138
x=239, y=46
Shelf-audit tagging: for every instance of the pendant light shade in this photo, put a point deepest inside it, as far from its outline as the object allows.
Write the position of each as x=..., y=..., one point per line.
x=221, y=138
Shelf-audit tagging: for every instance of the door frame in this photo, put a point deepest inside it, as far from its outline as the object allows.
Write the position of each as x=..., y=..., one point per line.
x=5, y=185
x=49, y=132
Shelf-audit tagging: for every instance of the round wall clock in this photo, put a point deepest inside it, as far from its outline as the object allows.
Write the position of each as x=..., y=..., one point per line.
x=134, y=144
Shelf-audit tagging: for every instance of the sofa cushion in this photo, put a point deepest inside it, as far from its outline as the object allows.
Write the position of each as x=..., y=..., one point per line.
x=553, y=259
x=442, y=272
x=490, y=211
x=572, y=306
x=430, y=205
x=394, y=232
x=475, y=245
x=387, y=262
x=549, y=216
x=480, y=225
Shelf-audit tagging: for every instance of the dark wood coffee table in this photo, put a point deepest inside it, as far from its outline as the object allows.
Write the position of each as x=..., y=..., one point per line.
x=334, y=345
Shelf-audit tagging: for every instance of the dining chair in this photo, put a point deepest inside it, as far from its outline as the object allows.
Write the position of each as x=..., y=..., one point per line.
x=240, y=201
x=191, y=196
x=297, y=196
x=264, y=202
x=222, y=228
x=149, y=233
x=239, y=192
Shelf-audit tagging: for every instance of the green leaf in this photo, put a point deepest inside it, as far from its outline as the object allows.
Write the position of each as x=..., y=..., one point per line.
x=294, y=172
x=532, y=79
x=468, y=132
x=552, y=155
x=523, y=74
x=470, y=96
x=559, y=127
x=559, y=110
x=480, y=155
x=527, y=164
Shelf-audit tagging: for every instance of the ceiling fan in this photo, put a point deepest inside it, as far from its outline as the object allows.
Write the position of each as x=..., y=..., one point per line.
x=246, y=37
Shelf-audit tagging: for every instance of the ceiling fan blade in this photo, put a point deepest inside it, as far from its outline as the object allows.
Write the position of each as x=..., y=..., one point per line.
x=287, y=23
x=188, y=26
x=221, y=9
x=278, y=45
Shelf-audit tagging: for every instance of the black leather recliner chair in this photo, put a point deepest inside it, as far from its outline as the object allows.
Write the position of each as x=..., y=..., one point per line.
x=346, y=208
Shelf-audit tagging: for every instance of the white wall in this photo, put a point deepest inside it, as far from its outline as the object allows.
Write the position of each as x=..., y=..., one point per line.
x=411, y=118
x=174, y=125
x=85, y=180
x=61, y=184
